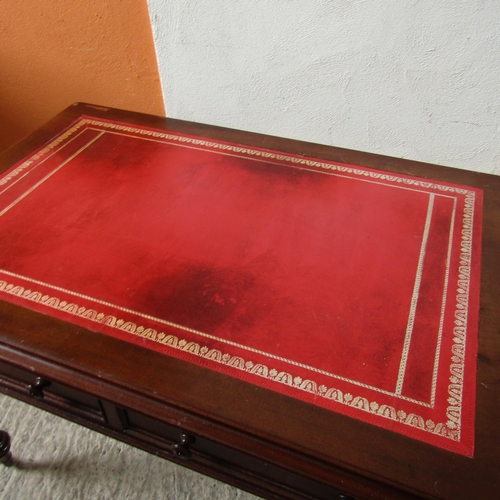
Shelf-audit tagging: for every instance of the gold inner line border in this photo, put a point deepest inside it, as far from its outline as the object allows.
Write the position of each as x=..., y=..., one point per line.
x=396, y=393
x=48, y=176
x=289, y=361
x=43, y=161
x=443, y=304
x=27, y=163
x=452, y=427
x=209, y=336
x=335, y=395
x=266, y=155
x=414, y=298
x=413, y=306
x=261, y=160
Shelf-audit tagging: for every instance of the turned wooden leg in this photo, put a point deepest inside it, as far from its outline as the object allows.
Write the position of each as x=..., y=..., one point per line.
x=5, y=455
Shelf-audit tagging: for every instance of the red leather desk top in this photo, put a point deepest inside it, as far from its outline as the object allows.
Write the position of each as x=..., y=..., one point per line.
x=348, y=288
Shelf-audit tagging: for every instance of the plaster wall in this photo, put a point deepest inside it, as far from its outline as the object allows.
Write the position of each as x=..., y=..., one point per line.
x=56, y=52
x=417, y=79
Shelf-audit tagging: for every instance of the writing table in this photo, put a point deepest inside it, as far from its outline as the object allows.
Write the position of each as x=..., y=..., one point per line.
x=298, y=320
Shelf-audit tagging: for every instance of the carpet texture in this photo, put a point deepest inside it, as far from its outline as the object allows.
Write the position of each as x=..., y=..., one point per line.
x=58, y=460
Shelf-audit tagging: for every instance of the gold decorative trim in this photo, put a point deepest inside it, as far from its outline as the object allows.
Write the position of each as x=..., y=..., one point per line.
x=37, y=156
x=451, y=429
x=205, y=335
x=39, y=183
x=455, y=388
x=270, y=162
x=457, y=367
x=414, y=298
x=236, y=362
x=265, y=155
x=443, y=304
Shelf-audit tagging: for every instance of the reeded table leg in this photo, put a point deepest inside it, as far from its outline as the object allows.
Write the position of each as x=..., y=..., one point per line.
x=5, y=455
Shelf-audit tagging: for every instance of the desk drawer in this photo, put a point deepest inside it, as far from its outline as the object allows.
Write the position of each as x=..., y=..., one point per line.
x=25, y=384
x=188, y=448
x=168, y=441
x=165, y=440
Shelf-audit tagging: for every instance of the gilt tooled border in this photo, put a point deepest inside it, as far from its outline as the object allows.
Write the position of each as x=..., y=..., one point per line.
x=455, y=388
x=235, y=149
x=236, y=362
x=40, y=154
x=268, y=155
x=451, y=429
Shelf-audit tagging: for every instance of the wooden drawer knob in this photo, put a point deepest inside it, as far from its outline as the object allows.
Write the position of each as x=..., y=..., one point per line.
x=181, y=449
x=35, y=390
x=5, y=455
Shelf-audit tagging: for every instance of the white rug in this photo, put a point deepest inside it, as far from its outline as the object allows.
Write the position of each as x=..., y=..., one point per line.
x=59, y=460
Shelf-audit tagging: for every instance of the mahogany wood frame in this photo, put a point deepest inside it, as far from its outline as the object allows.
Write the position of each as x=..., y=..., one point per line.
x=261, y=441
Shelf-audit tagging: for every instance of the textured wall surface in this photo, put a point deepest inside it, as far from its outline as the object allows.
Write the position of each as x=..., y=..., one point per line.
x=56, y=52
x=416, y=79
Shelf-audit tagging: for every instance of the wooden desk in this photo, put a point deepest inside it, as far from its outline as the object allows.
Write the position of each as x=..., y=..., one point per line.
x=258, y=439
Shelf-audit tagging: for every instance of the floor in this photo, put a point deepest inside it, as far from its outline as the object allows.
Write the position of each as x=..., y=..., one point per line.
x=59, y=460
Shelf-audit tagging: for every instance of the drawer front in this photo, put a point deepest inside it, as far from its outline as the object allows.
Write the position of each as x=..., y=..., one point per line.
x=25, y=384
x=188, y=447
x=168, y=441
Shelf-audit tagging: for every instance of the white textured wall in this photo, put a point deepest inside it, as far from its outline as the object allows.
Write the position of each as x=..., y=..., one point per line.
x=417, y=79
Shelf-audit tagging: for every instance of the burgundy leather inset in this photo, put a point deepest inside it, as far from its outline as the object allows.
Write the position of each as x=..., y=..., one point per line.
x=349, y=288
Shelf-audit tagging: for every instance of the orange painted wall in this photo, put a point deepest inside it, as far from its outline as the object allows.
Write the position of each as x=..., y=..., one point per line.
x=56, y=52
